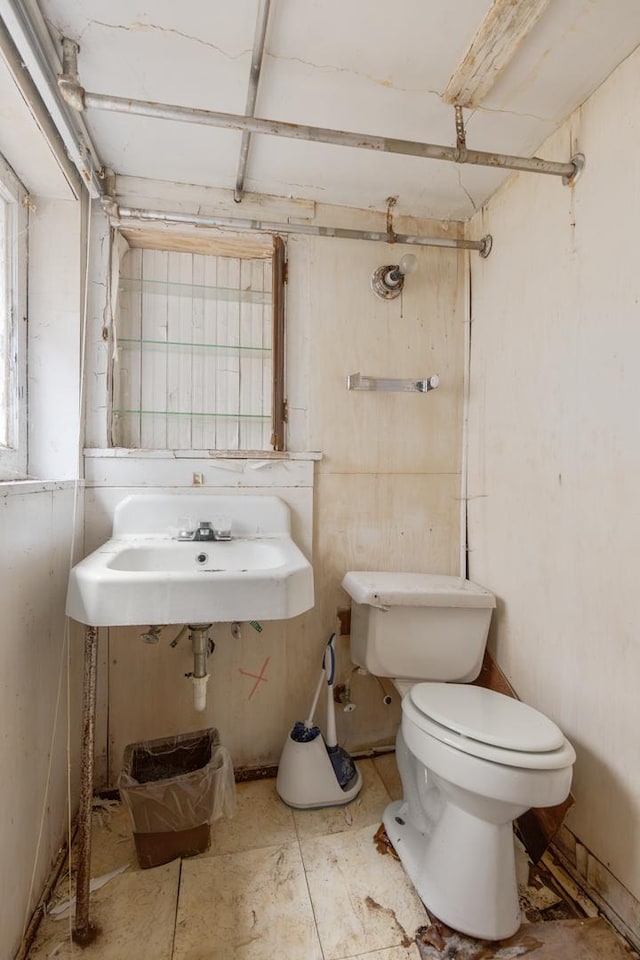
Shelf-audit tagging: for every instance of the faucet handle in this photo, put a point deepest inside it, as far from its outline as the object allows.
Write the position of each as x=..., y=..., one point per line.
x=186, y=528
x=222, y=528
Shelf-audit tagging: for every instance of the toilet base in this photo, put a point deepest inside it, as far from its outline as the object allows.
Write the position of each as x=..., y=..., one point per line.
x=463, y=870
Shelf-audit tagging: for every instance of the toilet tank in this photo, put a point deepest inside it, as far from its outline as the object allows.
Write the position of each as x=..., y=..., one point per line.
x=418, y=626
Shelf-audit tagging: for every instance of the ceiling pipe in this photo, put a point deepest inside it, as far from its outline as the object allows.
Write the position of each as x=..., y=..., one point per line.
x=275, y=128
x=252, y=93
x=28, y=32
x=29, y=91
x=483, y=246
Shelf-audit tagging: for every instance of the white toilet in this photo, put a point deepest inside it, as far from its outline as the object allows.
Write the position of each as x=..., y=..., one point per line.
x=471, y=760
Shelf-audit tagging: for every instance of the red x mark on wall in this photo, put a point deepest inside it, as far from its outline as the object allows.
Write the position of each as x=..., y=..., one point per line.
x=258, y=677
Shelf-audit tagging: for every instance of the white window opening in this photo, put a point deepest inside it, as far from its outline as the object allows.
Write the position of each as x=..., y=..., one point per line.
x=197, y=354
x=13, y=338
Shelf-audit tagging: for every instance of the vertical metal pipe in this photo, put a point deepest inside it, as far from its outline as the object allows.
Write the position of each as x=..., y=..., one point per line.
x=252, y=93
x=84, y=931
x=200, y=647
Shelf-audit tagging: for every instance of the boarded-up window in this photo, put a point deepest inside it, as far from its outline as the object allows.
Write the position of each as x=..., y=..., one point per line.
x=196, y=357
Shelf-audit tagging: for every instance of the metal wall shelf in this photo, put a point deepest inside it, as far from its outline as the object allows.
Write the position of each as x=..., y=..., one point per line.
x=356, y=381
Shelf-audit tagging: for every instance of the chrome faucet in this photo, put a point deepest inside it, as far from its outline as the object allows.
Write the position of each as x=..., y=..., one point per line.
x=205, y=530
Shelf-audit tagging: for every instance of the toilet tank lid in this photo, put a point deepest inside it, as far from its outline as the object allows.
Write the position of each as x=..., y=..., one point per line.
x=415, y=590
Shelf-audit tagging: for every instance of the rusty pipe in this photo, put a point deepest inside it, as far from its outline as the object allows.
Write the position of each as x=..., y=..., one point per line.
x=252, y=93
x=276, y=128
x=483, y=246
x=83, y=930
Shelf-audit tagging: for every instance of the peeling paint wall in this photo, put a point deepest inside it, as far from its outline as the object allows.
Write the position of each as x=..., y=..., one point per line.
x=56, y=256
x=36, y=528
x=385, y=495
x=35, y=538
x=554, y=456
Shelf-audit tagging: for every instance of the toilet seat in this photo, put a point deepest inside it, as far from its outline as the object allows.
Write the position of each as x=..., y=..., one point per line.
x=487, y=725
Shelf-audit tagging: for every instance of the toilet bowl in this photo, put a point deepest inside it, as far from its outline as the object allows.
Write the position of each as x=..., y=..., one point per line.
x=464, y=784
x=471, y=760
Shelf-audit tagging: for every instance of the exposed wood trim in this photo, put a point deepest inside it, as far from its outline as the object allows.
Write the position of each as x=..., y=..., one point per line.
x=505, y=26
x=208, y=242
x=278, y=399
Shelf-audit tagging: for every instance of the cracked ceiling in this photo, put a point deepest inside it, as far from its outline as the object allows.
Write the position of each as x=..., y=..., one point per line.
x=356, y=65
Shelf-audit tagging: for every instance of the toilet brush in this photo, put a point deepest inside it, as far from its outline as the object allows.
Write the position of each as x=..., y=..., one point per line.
x=343, y=766
x=304, y=730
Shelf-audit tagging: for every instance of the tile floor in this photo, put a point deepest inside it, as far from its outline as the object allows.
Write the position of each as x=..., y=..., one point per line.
x=276, y=883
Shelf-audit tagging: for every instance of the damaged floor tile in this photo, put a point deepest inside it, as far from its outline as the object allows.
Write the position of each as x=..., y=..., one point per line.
x=364, y=810
x=135, y=913
x=362, y=902
x=387, y=769
x=261, y=820
x=246, y=905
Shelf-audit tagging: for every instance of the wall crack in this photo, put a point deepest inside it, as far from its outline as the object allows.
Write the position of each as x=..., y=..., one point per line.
x=356, y=73
x=139, y=26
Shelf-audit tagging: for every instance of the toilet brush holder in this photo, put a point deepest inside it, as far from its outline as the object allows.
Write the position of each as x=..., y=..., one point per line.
x=306, y=777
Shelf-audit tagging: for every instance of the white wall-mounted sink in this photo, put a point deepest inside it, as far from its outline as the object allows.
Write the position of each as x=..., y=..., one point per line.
x=143, y=575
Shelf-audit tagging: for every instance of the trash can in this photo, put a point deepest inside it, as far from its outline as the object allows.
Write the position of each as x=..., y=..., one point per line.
x=174, y=789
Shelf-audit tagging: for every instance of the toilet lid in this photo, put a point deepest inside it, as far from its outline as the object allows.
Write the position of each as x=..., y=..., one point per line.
x=487, y=717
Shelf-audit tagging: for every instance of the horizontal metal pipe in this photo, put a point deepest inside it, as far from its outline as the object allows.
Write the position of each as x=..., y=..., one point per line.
x=264, y=226
x=252, y=93
x=295, y=131
x=29, y=91
x=28, y=31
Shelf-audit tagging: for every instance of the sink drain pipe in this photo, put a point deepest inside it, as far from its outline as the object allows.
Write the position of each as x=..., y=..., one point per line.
x=202, y=646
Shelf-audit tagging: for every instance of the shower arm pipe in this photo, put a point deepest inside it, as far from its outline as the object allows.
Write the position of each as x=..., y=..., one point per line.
x=119, y=213
x=81, y=99
x=252, y=93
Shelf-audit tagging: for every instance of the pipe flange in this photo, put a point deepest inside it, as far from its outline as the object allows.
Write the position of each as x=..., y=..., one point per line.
x=578, y=160
x=487, y=246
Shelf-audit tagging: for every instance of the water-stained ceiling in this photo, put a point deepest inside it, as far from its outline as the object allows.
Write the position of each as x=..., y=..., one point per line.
x=355, y=65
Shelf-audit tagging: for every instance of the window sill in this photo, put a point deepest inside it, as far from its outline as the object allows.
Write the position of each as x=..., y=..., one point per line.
x=126, y=452
x=10, y=488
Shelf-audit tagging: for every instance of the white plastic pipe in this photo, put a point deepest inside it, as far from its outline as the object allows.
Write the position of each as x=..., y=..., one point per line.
x=200, y=692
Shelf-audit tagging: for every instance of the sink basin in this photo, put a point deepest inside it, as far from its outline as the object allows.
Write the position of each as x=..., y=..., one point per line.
x=239, y=556
x=144, y=576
